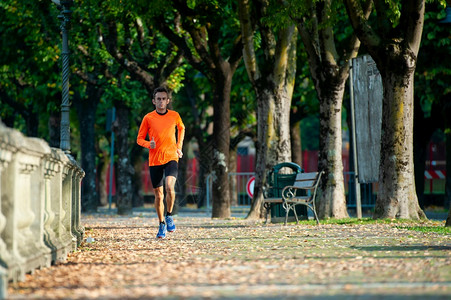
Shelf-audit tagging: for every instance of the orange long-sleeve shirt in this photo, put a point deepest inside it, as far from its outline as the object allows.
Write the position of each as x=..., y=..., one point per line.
x=162, y=129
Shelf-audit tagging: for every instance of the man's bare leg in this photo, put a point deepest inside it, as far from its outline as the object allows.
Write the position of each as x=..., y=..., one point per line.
x=159, y=205
x=170, y=199
x=170, y=193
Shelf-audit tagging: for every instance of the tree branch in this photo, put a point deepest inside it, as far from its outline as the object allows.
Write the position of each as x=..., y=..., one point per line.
x=110, y=42
x=353, y=46
x=249, y=56
x=180, y=42
x=359, y=22
x=412, y=21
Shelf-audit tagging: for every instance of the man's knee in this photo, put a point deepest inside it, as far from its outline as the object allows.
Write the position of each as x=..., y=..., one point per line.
x=170, y=189
x=170, y=183
x=158, y=194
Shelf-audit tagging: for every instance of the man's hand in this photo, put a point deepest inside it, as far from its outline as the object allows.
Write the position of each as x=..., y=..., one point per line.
x=180, y=153
x=152, y=143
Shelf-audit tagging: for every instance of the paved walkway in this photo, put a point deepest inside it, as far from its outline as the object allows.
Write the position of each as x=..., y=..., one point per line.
x=239, y=259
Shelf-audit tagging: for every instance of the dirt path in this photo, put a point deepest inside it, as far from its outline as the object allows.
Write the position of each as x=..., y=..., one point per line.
x=235, y=258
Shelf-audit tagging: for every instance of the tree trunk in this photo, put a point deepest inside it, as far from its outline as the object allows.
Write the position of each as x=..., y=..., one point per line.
x=221, y=146
x=265, y=107
x=331, y=194
x=329, y=66
x=273, y=81
x=233, y=179
x=86, y=110
x=397, y=197
x=203, y=52
x=296, y=144
x=124, y=188
x=394, y=47
x=273, y=134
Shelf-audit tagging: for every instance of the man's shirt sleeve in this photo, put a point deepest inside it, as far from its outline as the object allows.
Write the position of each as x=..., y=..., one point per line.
x=181, y=132
x=142, y=134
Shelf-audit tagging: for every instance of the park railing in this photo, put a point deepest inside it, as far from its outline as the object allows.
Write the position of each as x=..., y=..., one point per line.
x=39, y=208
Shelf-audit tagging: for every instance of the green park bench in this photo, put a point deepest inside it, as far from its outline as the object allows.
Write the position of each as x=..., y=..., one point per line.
x=284, y=191
x=275, y=182
x=302, y=192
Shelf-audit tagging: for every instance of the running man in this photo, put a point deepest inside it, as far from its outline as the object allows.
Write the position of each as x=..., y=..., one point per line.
x=164, y=152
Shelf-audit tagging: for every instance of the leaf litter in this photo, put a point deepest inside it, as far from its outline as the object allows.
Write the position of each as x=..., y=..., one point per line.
x=239, y=258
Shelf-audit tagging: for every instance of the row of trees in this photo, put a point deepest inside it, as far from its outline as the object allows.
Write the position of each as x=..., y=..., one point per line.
x=254, y=62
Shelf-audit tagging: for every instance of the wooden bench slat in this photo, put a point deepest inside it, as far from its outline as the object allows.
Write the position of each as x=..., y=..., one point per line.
x=300, y=199
x=306, y=176
x=304, y=184
x=289, y=199
x=273, y=200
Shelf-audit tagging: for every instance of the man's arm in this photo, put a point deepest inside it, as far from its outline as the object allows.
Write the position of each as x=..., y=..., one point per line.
x=142, y=134
x=180, y=137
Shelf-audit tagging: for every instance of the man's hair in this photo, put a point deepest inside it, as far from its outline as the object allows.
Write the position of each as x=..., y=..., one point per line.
x=161, y=89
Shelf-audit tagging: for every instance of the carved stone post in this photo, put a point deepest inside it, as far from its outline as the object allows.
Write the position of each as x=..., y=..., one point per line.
x=68, y=173
x=51, y=168
x=64, y=237
x=39, y=205
x=9, y=251
x=6, y=258
x=30, y=242
x=5, y=157
x=77, y=176
x=76, y=204
x=37, y=200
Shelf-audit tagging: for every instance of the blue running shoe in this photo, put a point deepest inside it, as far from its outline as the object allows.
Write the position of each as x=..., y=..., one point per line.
x=161, y=231
x=170, y=222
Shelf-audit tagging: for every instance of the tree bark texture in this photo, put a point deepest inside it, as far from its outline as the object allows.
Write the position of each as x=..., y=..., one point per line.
x=125, y=170
x=394, y=48
x=273, y=81
x=86, y=110
x=397, y=195
x=221, y=147
x=330, y=70
x=202, y=46
x=331, y=201
x=273, y=134
x=296, y=144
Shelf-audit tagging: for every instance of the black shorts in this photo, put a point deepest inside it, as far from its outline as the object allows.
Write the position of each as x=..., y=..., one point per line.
x=157, y=172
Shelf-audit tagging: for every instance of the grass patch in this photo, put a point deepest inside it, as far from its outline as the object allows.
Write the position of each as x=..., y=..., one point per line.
x=355, y=221
x=437, y=229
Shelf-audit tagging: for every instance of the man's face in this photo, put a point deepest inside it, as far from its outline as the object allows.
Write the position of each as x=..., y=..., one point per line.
x=161, y=101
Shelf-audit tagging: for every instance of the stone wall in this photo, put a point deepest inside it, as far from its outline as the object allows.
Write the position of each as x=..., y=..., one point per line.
x=39, y=205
